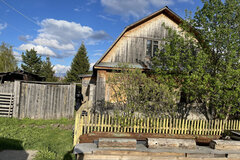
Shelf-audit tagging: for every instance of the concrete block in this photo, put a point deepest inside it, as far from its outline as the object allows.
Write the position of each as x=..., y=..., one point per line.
x=117, y=143
x=225, y=145
x=234, y=156
x=200, y=155
x=160, y=143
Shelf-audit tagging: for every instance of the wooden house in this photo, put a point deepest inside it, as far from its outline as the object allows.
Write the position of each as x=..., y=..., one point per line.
x=135, y=46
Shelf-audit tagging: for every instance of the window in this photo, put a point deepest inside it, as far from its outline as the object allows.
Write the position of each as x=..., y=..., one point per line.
x=152, y=47
x=155, y=47
x=149, y=48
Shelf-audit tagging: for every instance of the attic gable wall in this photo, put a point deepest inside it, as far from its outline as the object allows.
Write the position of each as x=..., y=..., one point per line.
x=131, y=48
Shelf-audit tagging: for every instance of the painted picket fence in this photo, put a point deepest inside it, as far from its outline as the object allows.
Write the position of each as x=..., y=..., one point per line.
x=107, y=123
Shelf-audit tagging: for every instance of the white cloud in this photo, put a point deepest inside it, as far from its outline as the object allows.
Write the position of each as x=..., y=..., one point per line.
x=62, y=37
x=91, y=66
x=45, y=51
x=133, y=8
x=66, y=32
x=53, y=43
x=106, y=18
x=91, y=2
x=25, y=38
x=99, y=50
x=187, y=1
x=61, y=68
x=2, y=26
x=161, y=3
x=98, y=54
x=76, y=9
x=17, y=56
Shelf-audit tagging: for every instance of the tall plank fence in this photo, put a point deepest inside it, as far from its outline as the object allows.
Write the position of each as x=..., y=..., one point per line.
x=37, y=100
x=107, y=123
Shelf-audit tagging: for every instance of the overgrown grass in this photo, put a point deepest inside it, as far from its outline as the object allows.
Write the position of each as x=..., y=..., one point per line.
x=52, y=138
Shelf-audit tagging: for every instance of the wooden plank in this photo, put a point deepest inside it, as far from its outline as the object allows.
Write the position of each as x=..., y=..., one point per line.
x=179, y=127
x=6, y=109
x=164, y=125
x=3, y=115
x=6, y=112
x=167, y=128
x=99, y=121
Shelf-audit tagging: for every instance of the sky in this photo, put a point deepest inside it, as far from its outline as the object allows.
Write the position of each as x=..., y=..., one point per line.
x=56, y=28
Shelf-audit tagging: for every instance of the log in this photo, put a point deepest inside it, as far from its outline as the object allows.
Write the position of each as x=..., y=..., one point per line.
x=164, y=143
x=117, y=143
x=225, y=145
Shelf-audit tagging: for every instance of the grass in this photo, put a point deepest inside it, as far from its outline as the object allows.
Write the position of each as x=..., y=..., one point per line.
x=52, y=138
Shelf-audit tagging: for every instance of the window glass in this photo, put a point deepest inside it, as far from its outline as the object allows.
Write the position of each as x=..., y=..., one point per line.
x=149, y=47
x=155, y=47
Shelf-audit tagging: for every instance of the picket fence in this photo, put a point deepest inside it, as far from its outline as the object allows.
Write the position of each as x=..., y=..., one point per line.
x=107, y=123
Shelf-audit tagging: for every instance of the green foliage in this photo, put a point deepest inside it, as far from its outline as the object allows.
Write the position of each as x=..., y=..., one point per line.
x=47, y=71
x=80, y=65
x=8, y=63
x=204, y=63
x=52, y=138
x=136, y=94
x=31, y=62
x=45, y=154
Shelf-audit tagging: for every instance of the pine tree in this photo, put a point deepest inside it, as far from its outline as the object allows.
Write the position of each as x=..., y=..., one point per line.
x=8, y=63
x=31, y=62
x=80, y=65
x=47, y=71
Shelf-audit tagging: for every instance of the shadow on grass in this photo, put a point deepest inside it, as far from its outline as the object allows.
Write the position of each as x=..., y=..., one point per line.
x=8, y=149
x=69, y=156
x=10, y=144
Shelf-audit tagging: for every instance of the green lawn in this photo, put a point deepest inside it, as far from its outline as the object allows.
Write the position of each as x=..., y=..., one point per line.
x=52, y=138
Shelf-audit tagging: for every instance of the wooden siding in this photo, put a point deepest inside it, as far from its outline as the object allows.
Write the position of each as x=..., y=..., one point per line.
x=100, y=86
x=131, y=48
x=7, y=87
x=88, y=88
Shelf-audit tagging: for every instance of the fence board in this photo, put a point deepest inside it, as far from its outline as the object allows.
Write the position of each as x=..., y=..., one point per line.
x=46, y=100
x=107, y=123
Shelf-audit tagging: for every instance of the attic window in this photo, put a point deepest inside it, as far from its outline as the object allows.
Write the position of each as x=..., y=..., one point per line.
x=152, y=47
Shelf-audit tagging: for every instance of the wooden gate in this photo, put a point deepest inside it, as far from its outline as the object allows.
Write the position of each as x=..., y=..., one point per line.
x=6, y=104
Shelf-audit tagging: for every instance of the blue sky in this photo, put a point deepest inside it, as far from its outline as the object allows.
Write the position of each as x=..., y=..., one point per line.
x=56, y=28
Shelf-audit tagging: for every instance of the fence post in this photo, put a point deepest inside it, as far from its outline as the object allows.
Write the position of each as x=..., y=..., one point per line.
x=16, y=104
x=76, y=128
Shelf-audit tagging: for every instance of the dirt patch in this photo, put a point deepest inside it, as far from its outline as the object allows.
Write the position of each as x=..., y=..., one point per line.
x=62, y=126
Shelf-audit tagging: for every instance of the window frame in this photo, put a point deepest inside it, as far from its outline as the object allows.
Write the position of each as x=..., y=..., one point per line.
x=152, y=47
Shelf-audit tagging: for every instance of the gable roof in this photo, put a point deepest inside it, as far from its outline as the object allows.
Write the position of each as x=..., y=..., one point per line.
x=168, y=12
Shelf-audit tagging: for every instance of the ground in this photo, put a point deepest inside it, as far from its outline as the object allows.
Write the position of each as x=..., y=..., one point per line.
x=53, y=139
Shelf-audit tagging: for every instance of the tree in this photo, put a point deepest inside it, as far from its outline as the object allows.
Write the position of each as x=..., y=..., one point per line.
x=8, y=63
x=80, y=65
x=135, y=93
x=47, y=71
x=203, y=60
x=31, y=62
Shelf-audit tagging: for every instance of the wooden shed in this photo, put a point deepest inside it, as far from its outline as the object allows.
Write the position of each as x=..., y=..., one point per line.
x=19, y=75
